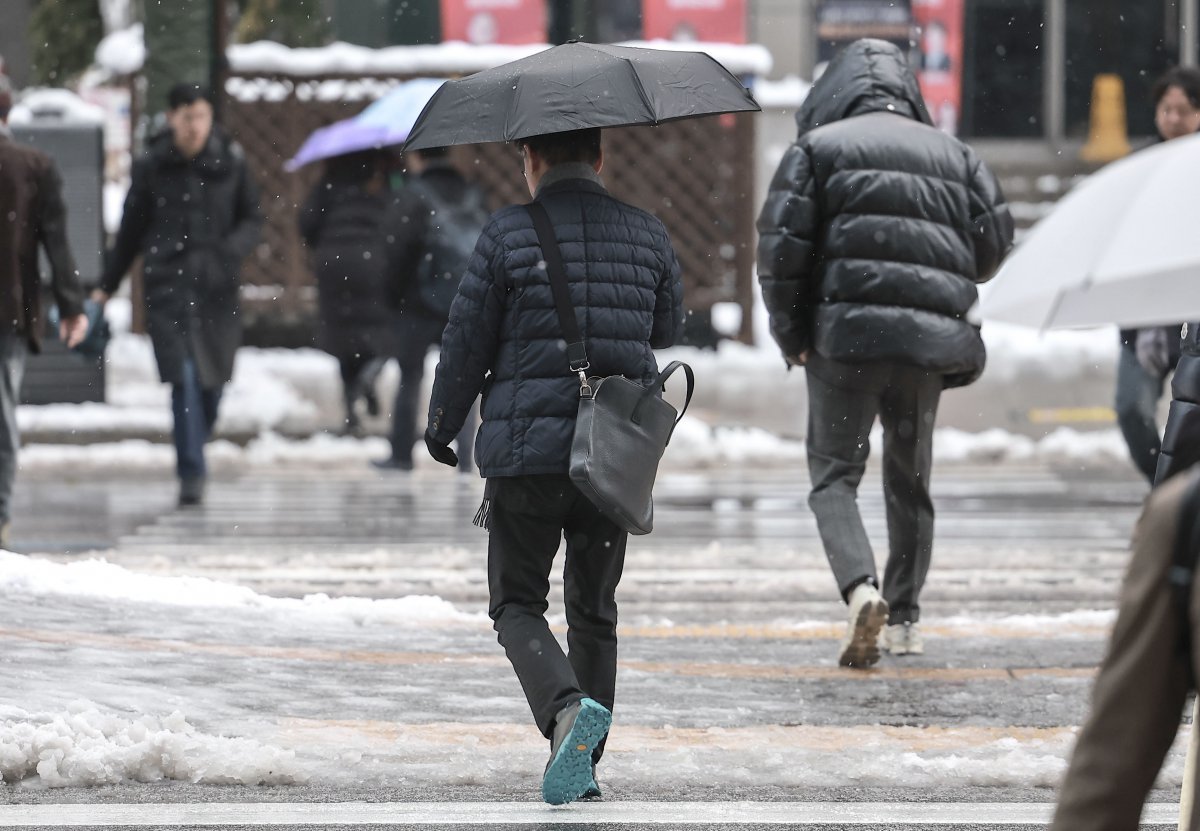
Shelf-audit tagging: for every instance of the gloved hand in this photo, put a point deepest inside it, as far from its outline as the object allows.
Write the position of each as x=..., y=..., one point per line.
x=1152, y=351
x=440, y=452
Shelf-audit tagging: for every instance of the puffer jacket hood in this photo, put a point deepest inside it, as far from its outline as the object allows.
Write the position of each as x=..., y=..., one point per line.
x=867, y=76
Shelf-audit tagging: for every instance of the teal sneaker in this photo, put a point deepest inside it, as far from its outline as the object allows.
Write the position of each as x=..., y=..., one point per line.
x=577, y=731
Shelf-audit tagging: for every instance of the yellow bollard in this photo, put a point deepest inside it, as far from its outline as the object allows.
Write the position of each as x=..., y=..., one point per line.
x=1108, y=138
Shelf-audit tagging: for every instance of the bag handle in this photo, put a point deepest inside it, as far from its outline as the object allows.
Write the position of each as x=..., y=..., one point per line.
x=1183, y=569
x=576, y=350
x=668, y=371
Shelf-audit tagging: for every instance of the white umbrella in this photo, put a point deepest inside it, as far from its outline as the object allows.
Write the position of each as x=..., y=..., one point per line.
x=1122, y=247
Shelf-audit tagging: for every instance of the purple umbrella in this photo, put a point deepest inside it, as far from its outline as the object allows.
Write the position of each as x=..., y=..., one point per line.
x=339, y=138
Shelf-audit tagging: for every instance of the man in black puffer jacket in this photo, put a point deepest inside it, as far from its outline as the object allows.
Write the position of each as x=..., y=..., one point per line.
x=875, y=231
x=504, y=339
x=1181, y=439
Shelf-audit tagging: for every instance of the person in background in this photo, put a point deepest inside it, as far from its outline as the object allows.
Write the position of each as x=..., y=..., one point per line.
x=876, y=229
x=32, y=215
x=504, y=340
x=192, y=214
x=1148, y=355
x=440, y=222
x=343, y=223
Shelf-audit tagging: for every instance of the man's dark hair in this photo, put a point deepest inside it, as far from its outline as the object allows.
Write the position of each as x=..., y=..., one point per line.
x=6, y=96
x=186, y=94
x=1187, y=78
x=560, y=148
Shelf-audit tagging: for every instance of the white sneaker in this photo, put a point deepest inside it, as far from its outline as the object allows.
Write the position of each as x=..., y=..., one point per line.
x=903, y=639
x=868, y=614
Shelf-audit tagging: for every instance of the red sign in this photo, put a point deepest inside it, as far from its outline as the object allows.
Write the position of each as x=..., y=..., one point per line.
x=939, y=67
x=494, y=21
x=712, y=21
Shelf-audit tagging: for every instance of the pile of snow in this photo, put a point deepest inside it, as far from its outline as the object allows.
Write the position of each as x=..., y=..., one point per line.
x=123, y=52
x=696, y=444
x=87, y=747
x=54, y=104
x=787, y=93
x=1062, y=446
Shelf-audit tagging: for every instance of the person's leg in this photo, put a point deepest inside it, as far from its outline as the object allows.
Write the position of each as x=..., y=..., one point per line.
x=841, y=411
x=406, y=412
x=349, y=367
x=190, y=429
x=13, y=350
x=908, y=411
x=524, y=532
x=595, y=560
x=1137, y=395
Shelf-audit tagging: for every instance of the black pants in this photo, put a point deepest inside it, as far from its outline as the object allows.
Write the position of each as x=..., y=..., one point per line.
x=529, y=517
x=416, y=335
x=843, y=403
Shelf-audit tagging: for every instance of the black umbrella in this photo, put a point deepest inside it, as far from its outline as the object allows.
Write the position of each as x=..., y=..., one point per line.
x=576, y=86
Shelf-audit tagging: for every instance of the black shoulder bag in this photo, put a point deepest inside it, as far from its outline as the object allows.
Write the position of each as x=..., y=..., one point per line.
x=622, y=427
x=1183, y=569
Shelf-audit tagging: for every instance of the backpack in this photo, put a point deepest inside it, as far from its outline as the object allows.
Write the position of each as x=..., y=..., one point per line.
x=449, y=242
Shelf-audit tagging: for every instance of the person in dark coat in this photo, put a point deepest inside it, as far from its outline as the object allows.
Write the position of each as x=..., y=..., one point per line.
x=1149, y=355
x=874, y=234
x=1181, y=439
x=344, y=222
x=435, y=186
x=504, y=340
x=192, y=214
x=32, y=216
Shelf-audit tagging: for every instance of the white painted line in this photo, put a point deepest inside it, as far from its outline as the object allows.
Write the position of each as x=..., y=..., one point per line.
x=530, y=813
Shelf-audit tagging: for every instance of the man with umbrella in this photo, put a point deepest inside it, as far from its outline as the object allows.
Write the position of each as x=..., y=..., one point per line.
x=504, y=340
x=875, y=231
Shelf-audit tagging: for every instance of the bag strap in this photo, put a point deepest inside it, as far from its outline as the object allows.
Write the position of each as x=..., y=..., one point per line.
x=668, y=371
x=576, y=350
x=1183, y=569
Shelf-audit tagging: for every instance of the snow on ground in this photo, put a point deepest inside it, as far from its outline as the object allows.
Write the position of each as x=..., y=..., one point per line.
x=161, y=731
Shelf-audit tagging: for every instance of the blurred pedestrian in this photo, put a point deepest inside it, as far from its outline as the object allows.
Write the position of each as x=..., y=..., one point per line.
x=874, y=233
x=1144, y=680
x=1148, y=355
x=344, y=222
x=192, y=214
x=32, y=215
x=504, y=339
x=447, y=212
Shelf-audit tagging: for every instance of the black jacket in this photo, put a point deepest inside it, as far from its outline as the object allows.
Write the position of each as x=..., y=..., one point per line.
x=32, y=214
x=625, y=286
x=346, y=225
x=193, y=221
x=1181, y=438
x=878, y=226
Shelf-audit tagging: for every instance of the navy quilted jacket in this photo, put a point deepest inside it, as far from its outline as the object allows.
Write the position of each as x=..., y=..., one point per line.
x=504, y=339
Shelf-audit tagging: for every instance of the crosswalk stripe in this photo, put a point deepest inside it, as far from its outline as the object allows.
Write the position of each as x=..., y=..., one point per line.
x=527, y=813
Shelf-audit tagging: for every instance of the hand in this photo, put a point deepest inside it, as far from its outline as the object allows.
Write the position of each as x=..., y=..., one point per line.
x=1152, y=351
x=72, y=330
x=440, y=452
x=797, y=360
x=99, y=296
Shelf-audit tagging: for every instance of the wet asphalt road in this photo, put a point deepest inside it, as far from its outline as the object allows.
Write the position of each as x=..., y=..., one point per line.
x=707, y=604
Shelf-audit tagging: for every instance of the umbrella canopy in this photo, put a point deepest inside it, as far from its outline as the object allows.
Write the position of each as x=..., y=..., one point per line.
x=576, y=86
x=1120, y=248
x=384, y=123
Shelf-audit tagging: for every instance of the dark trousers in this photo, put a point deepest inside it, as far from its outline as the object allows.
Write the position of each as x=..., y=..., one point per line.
x=195, y=411
x=530, y=515
x=417, y=334
x=843, y=402
x=13, y=351
x=359, y=372
x=1138, y=392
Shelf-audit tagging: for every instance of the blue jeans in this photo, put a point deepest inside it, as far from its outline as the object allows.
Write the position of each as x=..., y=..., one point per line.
x=13, y=349
x=195, y=410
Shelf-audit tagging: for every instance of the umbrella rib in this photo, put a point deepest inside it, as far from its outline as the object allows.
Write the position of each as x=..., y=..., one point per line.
x=641, y=89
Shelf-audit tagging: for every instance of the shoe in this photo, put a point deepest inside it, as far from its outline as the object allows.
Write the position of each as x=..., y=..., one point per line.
x=191, y=491
x=868, y=614
x=903, y=639
x=392, y=463
x=578, y=729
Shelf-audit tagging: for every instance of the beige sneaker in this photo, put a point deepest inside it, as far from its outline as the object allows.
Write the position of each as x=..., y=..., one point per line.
x=868, y=614
x=903, y=639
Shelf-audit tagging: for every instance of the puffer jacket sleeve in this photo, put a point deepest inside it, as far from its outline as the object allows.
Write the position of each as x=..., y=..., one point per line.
x=787, y=242
x=668, y=302
x=992, y=223
x=471, y=339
